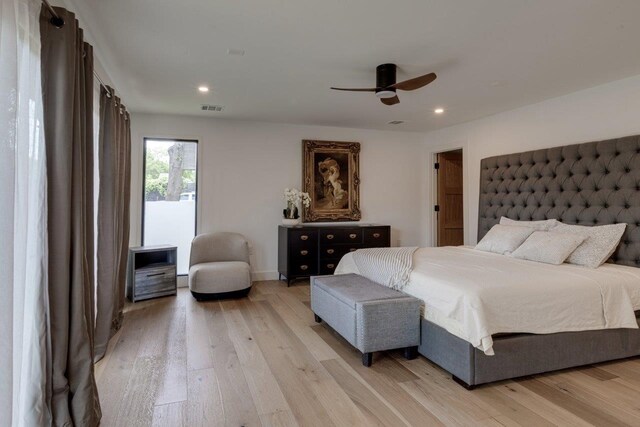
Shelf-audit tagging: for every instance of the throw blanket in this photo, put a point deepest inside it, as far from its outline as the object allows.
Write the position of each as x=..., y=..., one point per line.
x=390, y=267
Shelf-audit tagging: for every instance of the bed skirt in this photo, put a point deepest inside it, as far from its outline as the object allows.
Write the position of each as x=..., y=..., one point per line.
x=518, y=355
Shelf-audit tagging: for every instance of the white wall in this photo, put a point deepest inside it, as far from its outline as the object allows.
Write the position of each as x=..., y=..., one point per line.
x=245, y=166
x=607, y=111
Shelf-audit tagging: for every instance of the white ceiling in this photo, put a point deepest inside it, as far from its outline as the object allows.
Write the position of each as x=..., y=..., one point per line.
x=490, y=55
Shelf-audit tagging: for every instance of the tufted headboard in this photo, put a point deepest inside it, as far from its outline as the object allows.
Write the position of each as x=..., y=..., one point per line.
x=594, y=183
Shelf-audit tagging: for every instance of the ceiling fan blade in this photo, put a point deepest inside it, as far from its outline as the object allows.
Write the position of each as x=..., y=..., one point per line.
x=356, y=90
x=415, y=83
x=390, y=101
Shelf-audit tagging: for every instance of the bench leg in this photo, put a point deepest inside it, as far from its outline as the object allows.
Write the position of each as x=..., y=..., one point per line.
x=411, y=353
x=317, y=318
x=367, y=359
x=462, y=383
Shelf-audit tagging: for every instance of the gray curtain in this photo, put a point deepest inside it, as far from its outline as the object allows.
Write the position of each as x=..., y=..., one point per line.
x=67, y=83
x=113, y=216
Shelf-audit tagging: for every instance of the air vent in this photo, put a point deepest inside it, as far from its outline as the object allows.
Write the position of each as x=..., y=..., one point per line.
x=215, y=108
x=395, y=122
x=235, y=52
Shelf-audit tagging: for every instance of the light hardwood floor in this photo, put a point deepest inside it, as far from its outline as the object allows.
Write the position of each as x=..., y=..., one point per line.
x=263, y=360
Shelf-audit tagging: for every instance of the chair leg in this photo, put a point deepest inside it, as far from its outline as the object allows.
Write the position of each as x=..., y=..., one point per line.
x=367, y=359
x=317, y=318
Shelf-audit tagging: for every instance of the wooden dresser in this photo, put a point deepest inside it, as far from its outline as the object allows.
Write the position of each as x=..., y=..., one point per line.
x=312, y=250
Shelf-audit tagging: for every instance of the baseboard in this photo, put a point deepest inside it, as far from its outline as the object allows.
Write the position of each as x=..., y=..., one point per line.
x=264, y=275
x=256, y=276
x=183, y=281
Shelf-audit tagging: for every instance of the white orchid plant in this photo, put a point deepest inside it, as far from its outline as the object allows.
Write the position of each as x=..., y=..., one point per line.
x=294, y=199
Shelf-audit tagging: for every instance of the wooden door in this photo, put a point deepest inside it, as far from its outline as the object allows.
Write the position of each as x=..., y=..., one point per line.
x=450, y=210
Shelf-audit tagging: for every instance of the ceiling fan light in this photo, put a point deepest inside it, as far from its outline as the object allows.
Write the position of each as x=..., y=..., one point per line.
x=385, y=94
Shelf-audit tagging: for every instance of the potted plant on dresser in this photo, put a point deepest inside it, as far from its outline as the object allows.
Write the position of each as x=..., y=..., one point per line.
x=294, y=198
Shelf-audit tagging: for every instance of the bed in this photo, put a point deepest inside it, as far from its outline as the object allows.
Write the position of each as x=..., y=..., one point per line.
x=489, y=317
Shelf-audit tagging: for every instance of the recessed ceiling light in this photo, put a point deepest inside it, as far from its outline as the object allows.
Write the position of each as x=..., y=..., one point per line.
x=439, y=110
x=203, y=89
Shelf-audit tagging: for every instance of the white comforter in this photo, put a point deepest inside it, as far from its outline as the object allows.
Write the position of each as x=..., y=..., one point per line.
x=475, y=294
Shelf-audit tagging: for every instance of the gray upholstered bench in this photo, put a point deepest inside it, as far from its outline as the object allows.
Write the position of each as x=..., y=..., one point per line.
x=370, y=316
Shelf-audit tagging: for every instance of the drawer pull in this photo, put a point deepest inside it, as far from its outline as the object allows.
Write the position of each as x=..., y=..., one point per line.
x=155, y=274
x=330, y=236
x=353, y=249
x=330, y=251
x=331, y=265
x=304, y=237
x=304, y=252
x=304, y=267
x=376, y=235
x=353, y=235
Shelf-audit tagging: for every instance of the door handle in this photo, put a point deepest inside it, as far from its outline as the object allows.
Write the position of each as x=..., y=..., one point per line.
x=304, y=252
x=330, y=251
x=353, y=235
x=304, y=267
x=304, y=237
x=331, y=265
x=376, y=235
x=330, y=236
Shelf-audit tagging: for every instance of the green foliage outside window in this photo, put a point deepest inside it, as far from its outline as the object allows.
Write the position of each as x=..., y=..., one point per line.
x=157, y=175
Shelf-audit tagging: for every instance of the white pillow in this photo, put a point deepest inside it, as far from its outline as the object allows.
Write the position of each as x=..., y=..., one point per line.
x=544, y=225
x=550, y=248
x=504, y=239
x=600, y=243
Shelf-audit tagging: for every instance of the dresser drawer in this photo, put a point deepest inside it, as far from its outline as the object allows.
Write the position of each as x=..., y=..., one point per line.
x=303, y=238
x=328, y=266
x=337, y=251
x=303, y=253
x=376, y=237
x=336, y=235
x=155, y=279
x=303, y=268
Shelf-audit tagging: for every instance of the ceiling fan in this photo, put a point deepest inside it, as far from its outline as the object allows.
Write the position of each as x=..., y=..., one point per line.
x=386, y=85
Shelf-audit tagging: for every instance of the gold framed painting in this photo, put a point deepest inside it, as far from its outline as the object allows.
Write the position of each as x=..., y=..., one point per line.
x=330, y=174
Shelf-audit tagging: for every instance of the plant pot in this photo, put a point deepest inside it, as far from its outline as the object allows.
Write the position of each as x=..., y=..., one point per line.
x=290, y=221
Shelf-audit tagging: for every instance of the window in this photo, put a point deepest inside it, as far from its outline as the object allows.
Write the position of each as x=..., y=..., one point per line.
x=169, y=195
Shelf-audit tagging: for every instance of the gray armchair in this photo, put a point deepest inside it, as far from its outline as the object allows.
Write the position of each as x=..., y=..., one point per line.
x=219, y=266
